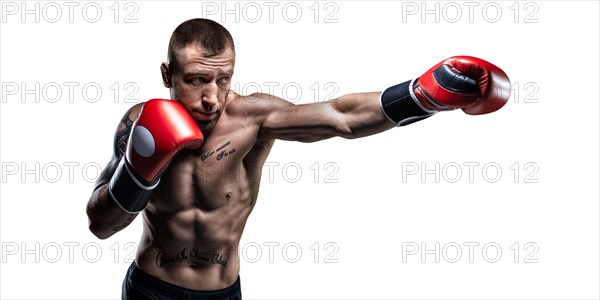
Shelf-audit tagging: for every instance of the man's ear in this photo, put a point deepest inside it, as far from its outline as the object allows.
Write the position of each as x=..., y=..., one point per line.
x=166, y=74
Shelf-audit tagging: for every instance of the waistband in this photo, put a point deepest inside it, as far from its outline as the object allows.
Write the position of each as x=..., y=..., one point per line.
x=150, y=282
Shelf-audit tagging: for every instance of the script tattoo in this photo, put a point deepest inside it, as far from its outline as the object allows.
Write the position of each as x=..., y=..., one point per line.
x=127, y=222
x=224, y=152
x=221, y=152
x=163, y=259
x=207, y=155
x=122, y=135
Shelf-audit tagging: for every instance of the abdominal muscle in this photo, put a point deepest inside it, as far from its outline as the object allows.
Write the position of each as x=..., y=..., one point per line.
x=194, y=222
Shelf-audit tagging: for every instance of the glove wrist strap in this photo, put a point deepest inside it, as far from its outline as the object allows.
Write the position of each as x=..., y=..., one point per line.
x=129, y=191
x=401, y=105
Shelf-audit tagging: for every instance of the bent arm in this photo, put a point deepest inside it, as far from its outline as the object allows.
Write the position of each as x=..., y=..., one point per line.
x=105, y=216
x=349, y=116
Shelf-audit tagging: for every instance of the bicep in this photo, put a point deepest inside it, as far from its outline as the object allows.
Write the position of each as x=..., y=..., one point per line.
x=303, y=122
x=349, y=116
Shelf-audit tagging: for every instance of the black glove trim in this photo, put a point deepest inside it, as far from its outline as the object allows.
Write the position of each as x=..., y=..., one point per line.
x=401, y=106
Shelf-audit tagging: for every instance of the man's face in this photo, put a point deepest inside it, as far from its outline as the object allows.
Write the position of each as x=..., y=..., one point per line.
x=201, y=83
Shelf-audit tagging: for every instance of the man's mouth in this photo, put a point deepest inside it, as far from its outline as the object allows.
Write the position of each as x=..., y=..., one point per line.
x=203, y=116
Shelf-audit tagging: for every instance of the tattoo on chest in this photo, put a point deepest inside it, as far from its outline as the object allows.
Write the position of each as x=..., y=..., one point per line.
x=163, y=258
x=222, y=152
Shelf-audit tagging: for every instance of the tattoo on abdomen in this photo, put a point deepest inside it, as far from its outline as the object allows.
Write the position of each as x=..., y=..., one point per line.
x=122, y=135
x=163, y=258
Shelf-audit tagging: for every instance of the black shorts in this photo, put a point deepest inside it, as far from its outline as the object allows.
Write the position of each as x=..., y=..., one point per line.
x=139, y=285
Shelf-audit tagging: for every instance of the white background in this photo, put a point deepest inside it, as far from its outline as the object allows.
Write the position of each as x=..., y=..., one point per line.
x=375, y=206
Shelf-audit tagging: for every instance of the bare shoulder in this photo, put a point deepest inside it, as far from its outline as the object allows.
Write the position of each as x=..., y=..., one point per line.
x=257, y=105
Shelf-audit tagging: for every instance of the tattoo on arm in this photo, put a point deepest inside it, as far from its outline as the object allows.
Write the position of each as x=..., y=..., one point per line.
x=122, y=136
x=120, y=145
x=127, y=222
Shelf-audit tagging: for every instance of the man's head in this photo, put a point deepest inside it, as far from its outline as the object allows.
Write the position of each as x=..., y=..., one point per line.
x=201, y=59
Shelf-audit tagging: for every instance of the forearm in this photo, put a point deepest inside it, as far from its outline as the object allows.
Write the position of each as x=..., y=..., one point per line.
x=362, y=115
x=105, y=216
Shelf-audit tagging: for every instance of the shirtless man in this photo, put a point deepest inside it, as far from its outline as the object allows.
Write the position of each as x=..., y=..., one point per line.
x=192, y=164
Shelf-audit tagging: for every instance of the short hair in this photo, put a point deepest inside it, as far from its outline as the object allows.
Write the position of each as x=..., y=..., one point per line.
x=211, y=36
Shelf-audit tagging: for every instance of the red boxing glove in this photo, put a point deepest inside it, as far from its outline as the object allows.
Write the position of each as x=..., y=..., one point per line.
x=472, y=84
x=163, y=128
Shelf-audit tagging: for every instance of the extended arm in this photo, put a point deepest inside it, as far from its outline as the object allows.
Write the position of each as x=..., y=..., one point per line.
x=349, y=116
x=468, y=83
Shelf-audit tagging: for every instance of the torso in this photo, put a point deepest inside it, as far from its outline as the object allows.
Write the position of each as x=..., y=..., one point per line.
x=196, y=216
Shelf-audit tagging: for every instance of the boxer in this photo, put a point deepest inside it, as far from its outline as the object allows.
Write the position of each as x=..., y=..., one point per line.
x=173, y=158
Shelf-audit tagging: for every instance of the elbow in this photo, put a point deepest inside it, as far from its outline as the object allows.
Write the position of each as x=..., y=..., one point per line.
x=100, y=232
x=98, y=228
x=96, y=225
x=345, y=131
x=347, y=126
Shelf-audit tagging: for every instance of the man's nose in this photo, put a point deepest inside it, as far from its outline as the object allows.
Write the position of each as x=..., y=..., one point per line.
x=209, y=94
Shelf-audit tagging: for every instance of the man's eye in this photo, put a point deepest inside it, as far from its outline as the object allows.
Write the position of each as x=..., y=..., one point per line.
x=223, y=80
x=197, y=80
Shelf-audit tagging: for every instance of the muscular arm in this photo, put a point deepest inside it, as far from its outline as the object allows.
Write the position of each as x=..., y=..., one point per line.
x=349, y=116
x=105, y=216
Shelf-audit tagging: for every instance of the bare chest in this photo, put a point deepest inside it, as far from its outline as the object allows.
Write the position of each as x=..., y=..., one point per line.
x=211, y=177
